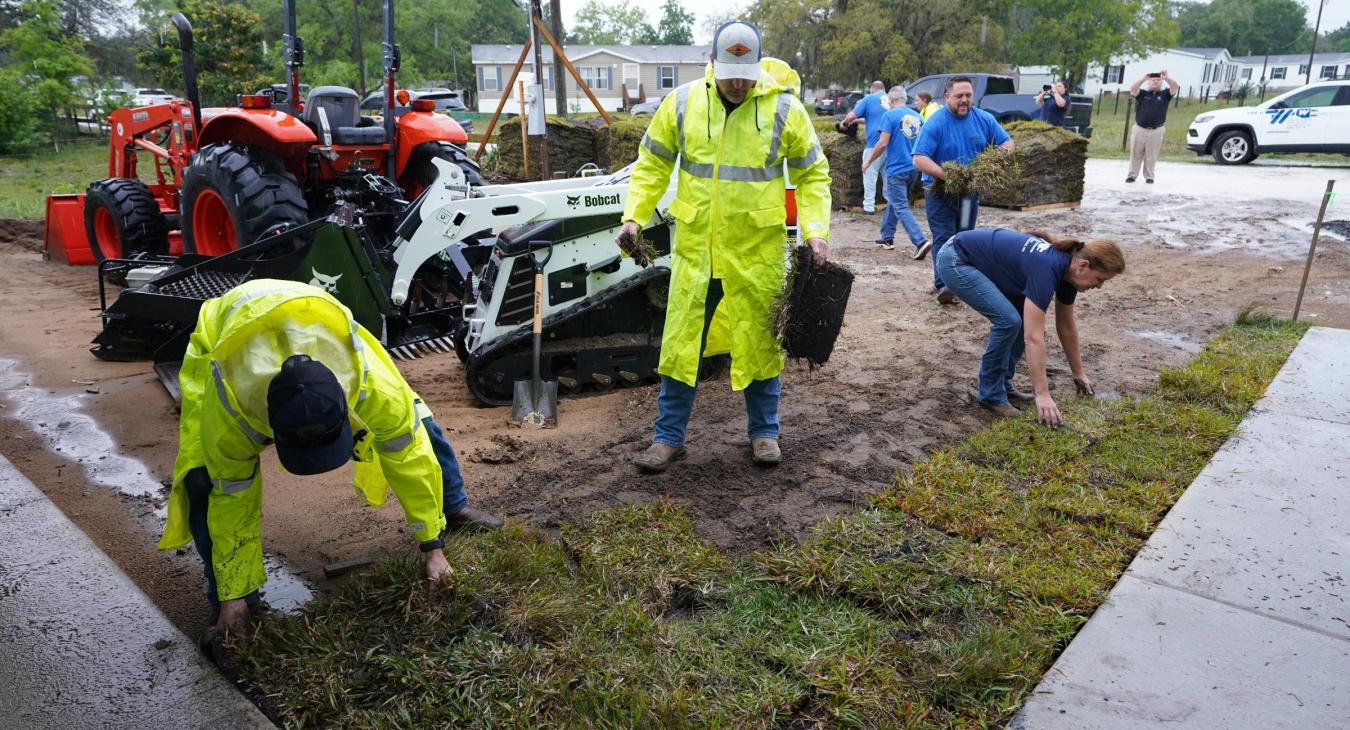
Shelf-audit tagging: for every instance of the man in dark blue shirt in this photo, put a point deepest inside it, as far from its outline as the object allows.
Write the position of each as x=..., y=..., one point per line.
x=956, y=133
x=1150, y=114
x=1054, y=103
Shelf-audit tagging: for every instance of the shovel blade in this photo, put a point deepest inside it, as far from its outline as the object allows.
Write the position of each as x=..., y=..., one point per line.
x=541, y=412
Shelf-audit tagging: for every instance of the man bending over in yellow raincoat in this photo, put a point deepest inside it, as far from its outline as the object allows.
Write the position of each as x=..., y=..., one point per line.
x=284, y=362
x=731, y=132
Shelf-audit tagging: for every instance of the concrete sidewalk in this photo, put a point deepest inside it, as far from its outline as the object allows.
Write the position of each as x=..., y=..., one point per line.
x=81, y=646
x=1236, y=614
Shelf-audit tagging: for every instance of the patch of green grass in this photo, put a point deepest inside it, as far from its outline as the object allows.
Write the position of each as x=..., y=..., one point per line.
x=26, y=180
x=939, y=605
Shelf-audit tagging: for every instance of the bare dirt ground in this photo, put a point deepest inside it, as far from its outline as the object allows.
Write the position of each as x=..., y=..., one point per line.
x=893, y=391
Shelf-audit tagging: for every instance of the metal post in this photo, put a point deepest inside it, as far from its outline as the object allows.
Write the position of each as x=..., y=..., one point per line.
x=524, y=138
x=1317, y=28
x=1125, y=128
x=537, y=19
x=1117, y=109
x=1317, y=230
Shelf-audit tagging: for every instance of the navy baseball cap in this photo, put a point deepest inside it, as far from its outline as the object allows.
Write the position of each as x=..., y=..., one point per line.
x=308, y=413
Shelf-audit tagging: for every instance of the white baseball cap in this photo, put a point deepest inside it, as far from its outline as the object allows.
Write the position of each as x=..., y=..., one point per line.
x=736, y=51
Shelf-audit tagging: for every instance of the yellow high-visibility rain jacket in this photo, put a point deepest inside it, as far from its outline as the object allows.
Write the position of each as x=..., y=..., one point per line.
x=239, y=343
x=730, y=213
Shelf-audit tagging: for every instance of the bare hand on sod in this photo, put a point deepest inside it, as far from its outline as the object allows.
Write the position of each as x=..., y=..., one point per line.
x=1047, y=412
x=233, y=616
x=630, y=242
x=1083, y=385
x=437, y=566
x=820, y=251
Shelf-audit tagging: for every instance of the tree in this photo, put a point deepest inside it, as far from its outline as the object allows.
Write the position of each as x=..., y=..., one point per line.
x=1338, y=40
x=1245, y=27
x=228, y=40
x=676, y=27
x=47, y=58
x=610, y=23
x=1070, y=35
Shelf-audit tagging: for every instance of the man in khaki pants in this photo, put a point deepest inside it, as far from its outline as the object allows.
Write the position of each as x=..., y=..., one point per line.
x=1150, y=114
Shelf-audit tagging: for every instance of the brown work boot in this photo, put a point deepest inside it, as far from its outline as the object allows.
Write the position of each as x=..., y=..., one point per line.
x=659, y=457
x=946, y=296
x=1002, y=410
x=1020, y=396
x=471, y=518
x=766, y=451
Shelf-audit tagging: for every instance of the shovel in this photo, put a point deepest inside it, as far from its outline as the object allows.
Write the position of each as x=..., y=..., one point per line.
x=535, y=400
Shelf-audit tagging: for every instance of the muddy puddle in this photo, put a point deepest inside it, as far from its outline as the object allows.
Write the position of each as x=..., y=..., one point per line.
x=61, y=422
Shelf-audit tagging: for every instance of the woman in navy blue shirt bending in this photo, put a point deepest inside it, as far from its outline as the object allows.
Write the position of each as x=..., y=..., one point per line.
x=1010, y=277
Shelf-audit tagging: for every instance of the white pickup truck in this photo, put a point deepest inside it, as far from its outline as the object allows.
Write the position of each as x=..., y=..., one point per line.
x=1313, y=118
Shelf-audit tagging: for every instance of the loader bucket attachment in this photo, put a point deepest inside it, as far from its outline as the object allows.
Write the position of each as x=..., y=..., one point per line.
x=154, y=321
x=64, y=237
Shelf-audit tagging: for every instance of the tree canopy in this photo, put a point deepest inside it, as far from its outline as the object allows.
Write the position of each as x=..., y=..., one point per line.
x=625, y=22
x=1245, y=27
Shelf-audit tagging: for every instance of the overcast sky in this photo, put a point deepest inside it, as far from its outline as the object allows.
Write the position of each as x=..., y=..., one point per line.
x=1334, y=14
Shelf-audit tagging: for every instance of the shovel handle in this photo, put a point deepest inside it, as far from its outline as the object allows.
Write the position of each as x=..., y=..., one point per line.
x=539, y=264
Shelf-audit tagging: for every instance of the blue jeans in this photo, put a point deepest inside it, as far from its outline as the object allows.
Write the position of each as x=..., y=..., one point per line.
x=676, y=401
x=944, y=222
x=452, y=482
x=1006, y=342
x=897, y=209
x=198, y=484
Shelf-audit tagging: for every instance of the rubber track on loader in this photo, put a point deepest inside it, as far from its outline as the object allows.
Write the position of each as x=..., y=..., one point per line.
x=520, y=341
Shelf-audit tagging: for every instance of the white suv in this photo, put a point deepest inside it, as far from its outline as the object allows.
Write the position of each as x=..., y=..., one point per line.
x=1314, y=118
x=146, y=97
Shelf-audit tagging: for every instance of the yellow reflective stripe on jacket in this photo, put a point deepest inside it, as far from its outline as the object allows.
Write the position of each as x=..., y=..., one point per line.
x=780, y=113
x=253, y=434
x=657, y=148
x=731, y=172
x=681, y=103
x=806, y=160
x=235, y=486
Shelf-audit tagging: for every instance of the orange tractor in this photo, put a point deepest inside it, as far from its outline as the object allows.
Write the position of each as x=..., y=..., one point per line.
x=225, y=177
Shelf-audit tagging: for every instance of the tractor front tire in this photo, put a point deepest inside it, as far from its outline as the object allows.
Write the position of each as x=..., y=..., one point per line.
x=233, y=194
x=122, y=219
x=421, y=171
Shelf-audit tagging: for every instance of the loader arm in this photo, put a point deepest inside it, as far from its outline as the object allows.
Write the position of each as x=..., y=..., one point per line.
x=447, y=214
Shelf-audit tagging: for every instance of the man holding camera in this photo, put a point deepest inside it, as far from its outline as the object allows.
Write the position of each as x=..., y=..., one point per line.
x=1150, y=114
x=1054, y=103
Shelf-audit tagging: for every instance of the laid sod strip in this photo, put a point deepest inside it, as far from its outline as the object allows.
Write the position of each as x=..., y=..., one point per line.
x=940, y=604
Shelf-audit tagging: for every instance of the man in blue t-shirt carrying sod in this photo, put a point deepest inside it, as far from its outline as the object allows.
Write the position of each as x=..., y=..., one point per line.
x=958, y=133
x=899, y=129
x=870, y=109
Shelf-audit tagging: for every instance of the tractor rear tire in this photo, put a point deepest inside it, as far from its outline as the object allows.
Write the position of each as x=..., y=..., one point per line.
x=233, y=194
x=122, y=218
x=421, y=172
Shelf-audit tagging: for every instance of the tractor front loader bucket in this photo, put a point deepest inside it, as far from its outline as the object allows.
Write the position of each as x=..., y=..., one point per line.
x=154, y=320
x=65, y=237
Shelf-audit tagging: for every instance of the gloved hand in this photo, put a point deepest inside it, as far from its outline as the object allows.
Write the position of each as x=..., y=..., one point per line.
x=630, y=242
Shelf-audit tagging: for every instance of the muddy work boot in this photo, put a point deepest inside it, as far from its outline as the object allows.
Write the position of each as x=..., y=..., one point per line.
x=469, y=518
x=946, y=296
x=766, y=451
x=1002, y=410
x=1020, y=396
x=659, y=457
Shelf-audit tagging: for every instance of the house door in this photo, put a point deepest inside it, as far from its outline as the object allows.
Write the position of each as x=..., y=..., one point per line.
x=631, y=80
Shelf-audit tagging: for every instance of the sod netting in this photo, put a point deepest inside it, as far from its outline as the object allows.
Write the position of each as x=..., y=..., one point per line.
x=939, y=604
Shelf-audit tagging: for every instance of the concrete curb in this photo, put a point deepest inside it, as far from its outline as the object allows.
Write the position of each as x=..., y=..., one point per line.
x=83, y=646
x=1236, y=613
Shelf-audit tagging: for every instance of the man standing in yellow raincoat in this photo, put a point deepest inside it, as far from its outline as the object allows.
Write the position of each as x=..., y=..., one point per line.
x=284, y=362
x=735, y=134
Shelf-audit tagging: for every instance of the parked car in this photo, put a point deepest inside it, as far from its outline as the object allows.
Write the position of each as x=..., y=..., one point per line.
x=646, y=107
x=1312, y=118
x=825, y=102
x=447, y=102
x=997, y=95
x=146, y=97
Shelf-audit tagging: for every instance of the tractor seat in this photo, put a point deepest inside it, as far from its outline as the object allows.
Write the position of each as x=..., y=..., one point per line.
x=335, y=111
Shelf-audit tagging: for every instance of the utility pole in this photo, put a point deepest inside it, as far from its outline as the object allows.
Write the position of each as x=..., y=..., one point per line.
x=358, y=50
x=1317, y=29
x=559, y=73
x=537, y=14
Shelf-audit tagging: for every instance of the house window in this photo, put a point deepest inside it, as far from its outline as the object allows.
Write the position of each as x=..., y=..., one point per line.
x=490, y=78
x=1246, y=74
x=1347, y=71
x=1277, y=72
x=667, y=77
x=1302, y=69
x=1208, y=67
x=598, y=77
x=548, y=77
x=1328, y=72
